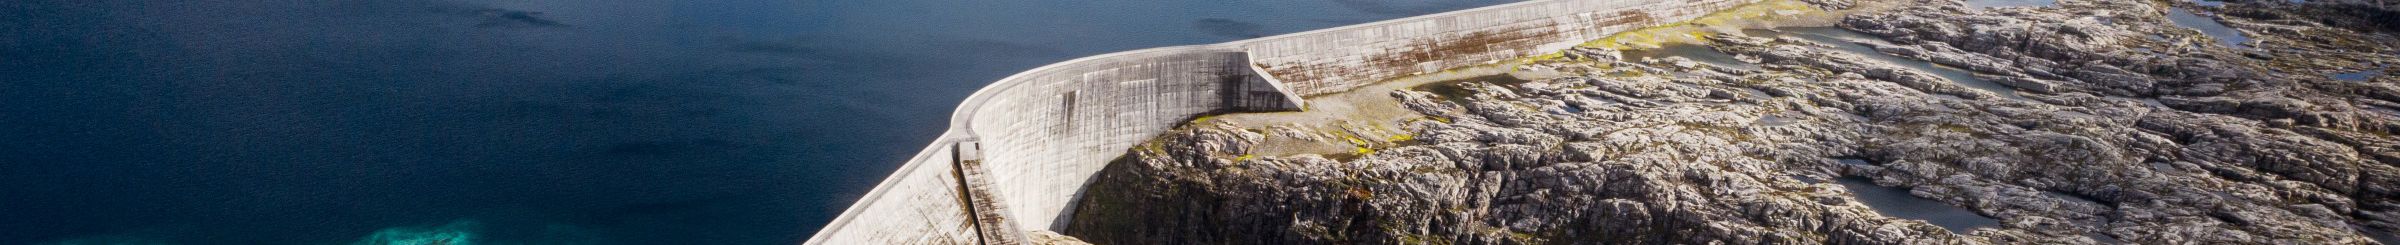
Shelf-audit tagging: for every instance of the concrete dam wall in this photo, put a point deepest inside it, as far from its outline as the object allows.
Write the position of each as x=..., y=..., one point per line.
x=1019, y=152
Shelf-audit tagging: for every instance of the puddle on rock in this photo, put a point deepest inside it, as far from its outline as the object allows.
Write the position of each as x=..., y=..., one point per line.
x=2010, y=3
x=2210, y=3
x=2356, y=76
x=1843, y=40
x=2224, y=34
x=1896, y=202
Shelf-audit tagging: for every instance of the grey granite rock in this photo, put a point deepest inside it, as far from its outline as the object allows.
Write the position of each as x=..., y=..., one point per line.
x=2126, y=132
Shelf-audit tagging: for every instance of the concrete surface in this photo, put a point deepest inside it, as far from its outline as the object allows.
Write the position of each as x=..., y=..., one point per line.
x=1030, y=142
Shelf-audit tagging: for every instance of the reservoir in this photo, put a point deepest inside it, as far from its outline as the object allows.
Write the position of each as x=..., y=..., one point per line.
x=522, y=122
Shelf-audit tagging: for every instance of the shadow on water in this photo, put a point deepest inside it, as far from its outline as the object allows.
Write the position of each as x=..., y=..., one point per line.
x=1844, y=41
x=1896, y=202
x=2208, y=26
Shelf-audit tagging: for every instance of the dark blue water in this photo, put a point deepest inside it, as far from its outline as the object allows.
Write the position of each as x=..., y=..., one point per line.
x=1896, y=202
x=519, y=122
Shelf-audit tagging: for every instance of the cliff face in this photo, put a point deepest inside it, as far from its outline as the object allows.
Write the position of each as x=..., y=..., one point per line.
x=2084, y=122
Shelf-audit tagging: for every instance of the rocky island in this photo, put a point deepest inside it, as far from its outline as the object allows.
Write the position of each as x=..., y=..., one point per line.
x=1822, y=122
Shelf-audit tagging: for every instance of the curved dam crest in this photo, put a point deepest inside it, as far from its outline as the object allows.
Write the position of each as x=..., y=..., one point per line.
x=1018, y=152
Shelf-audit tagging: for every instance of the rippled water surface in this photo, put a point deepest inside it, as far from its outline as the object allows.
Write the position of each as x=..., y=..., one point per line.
x=538, y=122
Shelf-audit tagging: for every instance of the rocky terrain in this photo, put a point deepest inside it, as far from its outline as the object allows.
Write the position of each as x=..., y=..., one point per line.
x=2081, y=122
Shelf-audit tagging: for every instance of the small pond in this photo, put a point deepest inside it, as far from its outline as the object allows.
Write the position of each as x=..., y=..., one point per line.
x=2356, y=76
x=1896, y=202
x=2209, y=26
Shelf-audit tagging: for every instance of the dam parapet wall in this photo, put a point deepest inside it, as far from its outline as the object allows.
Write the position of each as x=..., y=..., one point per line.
x=1044, y=138
x=1340, y=58
x=1019, y=152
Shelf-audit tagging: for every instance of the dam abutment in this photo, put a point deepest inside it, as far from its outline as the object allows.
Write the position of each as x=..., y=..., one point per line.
x=1019, y=152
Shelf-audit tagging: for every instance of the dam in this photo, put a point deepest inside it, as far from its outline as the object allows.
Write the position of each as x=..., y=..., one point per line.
x=1019, y=151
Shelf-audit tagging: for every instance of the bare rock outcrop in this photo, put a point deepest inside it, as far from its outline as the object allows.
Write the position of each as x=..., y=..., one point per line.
x=2111, y=125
